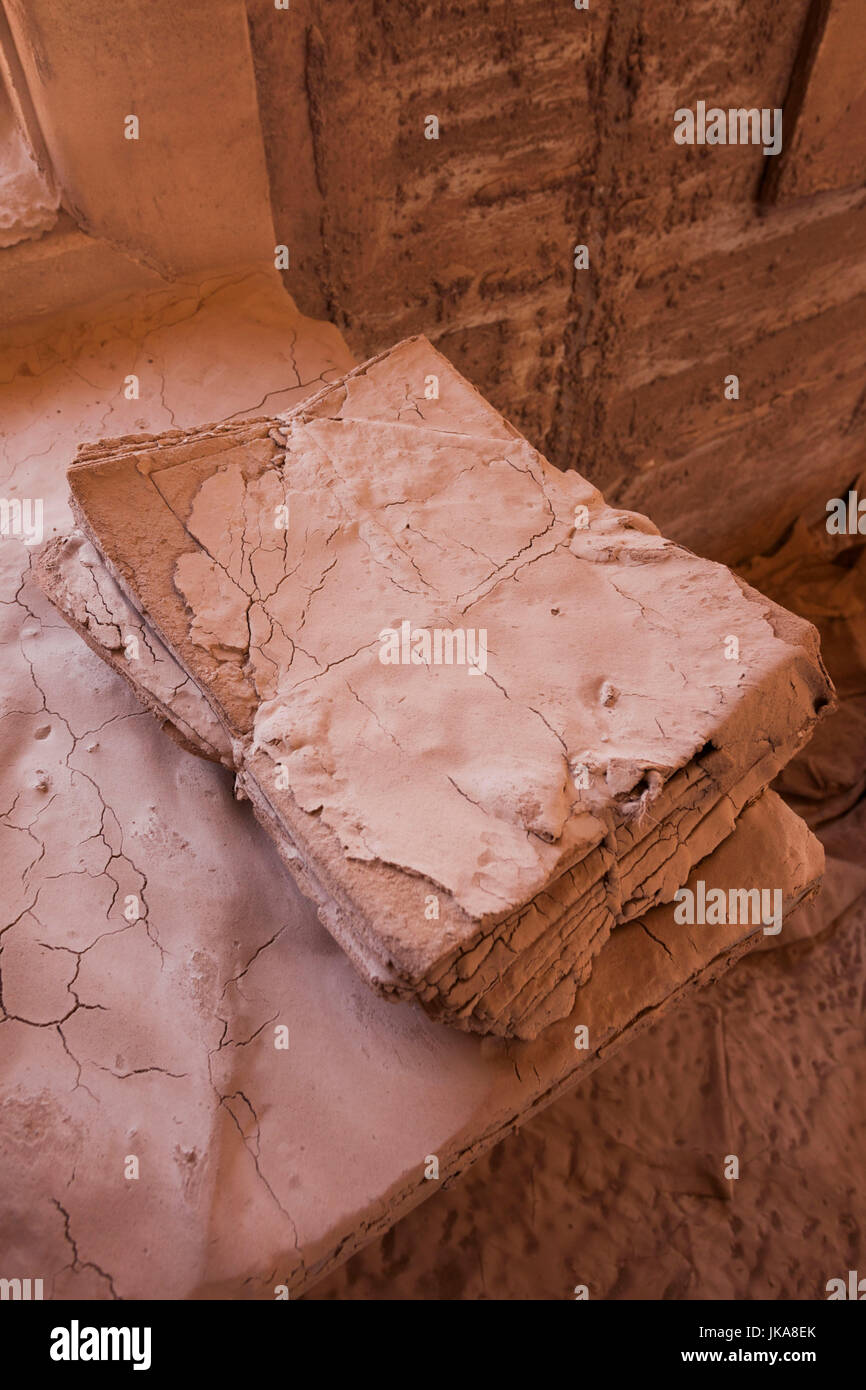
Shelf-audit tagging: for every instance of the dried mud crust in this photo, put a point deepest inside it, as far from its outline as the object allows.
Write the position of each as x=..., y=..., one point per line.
x=389, y=496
